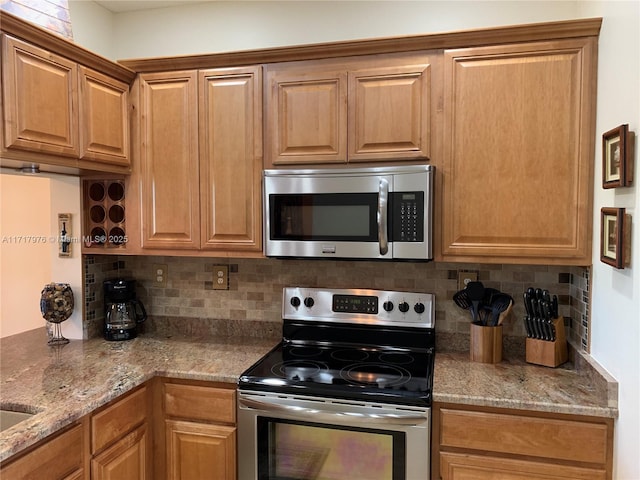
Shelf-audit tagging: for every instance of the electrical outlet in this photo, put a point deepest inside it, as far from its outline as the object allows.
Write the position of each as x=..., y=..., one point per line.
x=465, y=277
x=221, y=277
x=160, y=275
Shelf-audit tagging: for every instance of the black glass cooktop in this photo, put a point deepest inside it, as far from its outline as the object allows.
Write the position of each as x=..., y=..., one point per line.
x=354, y=372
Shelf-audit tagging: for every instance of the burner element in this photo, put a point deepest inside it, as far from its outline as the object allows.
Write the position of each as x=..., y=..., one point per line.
x=376, y=374
x=305, y=352
x=350, y=355
x=396, y=358
x=300, y=370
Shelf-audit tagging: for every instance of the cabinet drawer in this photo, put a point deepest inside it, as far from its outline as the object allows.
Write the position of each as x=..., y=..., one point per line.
x=55, y=459
x=116, y=420
x=200, y=403
x=472, y=467
x=515, y=434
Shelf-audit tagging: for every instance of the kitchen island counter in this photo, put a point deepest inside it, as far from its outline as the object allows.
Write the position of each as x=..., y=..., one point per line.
x=62, y=384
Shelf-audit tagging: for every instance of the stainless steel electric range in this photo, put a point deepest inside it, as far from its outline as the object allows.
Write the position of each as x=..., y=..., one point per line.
x=347, y=392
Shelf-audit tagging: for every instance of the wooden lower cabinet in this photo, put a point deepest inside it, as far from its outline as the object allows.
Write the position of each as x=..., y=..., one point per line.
x=199, y=430
x=199, y=450
x=59, y=457
x=127, y=459
x=120, y=439
x=461, y=466
x=478, y=443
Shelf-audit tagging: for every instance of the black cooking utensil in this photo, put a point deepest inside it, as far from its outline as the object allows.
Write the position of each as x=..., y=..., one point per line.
x=475, y=293
x=499, y=303
x=461, y=299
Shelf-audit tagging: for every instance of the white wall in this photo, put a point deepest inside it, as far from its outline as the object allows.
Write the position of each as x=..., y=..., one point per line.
x=25, y=266
x=221, y=26
x=615, y=305
x=229, y=26
x=93, y=27
x=65, y=198
x=29, y=207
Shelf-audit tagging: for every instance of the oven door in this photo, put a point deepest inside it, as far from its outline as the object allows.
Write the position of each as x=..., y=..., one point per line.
x=284, y=437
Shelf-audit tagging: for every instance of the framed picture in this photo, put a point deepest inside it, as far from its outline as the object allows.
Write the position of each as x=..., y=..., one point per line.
x=612, y=248
x=617, y=167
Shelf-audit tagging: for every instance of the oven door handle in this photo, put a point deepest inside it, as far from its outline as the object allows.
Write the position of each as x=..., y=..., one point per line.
x=369, y=418
x=383, y=202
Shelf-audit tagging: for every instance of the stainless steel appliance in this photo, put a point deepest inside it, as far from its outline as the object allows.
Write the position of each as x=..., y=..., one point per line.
x=346, y=393
x=122, y=310
x=375, y=213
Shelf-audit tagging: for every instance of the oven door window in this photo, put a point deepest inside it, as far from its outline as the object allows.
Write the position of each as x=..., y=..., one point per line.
x=290, y=450
x=324, y=217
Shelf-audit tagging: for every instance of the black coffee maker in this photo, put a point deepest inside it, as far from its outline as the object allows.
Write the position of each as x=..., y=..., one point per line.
x=122, y=311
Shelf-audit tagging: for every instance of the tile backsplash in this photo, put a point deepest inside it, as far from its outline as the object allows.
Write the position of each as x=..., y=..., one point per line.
x=255, y=289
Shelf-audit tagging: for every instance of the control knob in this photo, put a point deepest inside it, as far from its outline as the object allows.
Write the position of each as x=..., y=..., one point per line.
x=418, y=308
x=388, y=306
x=295, y=302
x=403, y=307
x=308, y=302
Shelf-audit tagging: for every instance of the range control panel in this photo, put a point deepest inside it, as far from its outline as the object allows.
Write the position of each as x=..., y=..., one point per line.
x=359, y=306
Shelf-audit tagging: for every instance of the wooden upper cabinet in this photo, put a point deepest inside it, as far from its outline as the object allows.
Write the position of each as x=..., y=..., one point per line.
x=201, y=159
x=307, y=116
x=104, y=104
x=390, y=114
x=517, y=170
x=170, y=194
x=364, y=109
x=230, y=107
x=67, y=113
x=40, y=96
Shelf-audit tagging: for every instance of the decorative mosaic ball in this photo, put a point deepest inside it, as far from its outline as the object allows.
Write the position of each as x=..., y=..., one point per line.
x=56, y=302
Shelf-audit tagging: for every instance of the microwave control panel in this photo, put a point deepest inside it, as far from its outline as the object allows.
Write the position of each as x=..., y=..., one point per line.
x=407, y=217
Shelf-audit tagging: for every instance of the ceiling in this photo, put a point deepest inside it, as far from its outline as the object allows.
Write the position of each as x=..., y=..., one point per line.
x=119, y=6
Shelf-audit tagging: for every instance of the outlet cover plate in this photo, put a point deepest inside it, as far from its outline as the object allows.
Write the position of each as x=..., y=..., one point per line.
x=465, y=277
x=221, y=277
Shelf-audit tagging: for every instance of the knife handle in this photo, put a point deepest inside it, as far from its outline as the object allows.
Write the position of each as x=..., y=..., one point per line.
x=527, y=327
x=554, y=306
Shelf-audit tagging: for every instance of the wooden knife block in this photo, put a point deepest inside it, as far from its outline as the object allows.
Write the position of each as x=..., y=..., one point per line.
x=547, y=353
x=486, y=344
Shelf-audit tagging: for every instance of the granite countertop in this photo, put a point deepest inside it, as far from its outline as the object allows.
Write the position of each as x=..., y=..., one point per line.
x=62, y=384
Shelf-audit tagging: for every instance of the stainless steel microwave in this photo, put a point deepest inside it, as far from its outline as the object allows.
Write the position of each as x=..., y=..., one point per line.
x=379, y=213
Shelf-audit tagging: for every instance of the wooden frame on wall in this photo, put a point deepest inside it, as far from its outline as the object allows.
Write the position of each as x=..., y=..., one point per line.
x=614, y=241
x=617, y=157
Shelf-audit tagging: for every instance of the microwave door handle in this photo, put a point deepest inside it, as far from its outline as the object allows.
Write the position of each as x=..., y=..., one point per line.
x=383, y=202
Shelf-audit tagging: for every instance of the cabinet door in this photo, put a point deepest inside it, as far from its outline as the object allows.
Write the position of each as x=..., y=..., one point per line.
x=389, y=113
x=117, y=419
x=60, y=457
x=104, y=121
x=231, y=158
x=518, y=153
x=200, y=451
x=127, y=459
x=39, y=90
x=307, y=117
x=460, y=466
x=170, y=192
